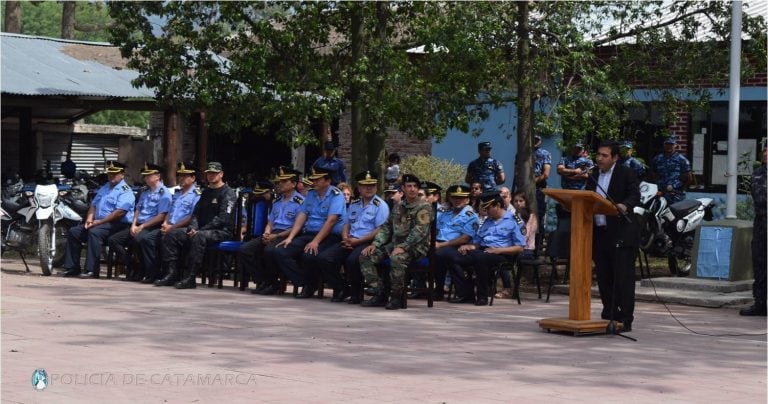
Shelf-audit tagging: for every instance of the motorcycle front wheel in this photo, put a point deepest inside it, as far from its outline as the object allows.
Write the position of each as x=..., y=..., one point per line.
x=61, y=243
x=44, y=247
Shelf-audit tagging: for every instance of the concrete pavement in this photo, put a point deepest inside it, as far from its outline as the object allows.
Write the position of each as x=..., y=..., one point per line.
x=111, y=341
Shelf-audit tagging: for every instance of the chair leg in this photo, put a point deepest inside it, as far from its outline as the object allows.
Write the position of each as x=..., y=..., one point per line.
x=538, y=279
x=516, y=279
x=244, y=278
x=430, y=289
x=110, y=263
x=493, y=289
x=552, y=275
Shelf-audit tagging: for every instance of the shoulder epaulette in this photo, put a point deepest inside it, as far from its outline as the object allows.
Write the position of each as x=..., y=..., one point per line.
x=376, y=202
x=298, y=199
x=356, y=201
x=162, y=190
x=335, y=191
x=518, y=219
x=442, y=208
x=178, y=191
x=126, y=188
x=198, y=191
x=469, y=212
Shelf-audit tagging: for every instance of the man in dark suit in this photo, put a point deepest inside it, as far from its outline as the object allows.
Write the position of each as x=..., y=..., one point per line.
x=616, y=238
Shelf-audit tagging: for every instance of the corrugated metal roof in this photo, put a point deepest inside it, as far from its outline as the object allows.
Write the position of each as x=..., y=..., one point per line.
x=47, y=66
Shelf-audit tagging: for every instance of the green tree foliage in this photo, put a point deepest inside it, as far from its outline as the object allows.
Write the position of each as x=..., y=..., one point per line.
x=428, y=168
x=43, y=18
x=138, y=119
x=287, y=62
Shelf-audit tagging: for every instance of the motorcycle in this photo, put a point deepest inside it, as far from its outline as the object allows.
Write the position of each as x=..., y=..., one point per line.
x=668, y=230
x=44, y=221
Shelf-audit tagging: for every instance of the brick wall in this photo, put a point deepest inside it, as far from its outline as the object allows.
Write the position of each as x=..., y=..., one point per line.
x=681, y=127
x=397, y=142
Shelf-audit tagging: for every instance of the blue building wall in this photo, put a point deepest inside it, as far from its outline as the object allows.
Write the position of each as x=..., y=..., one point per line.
x=501, y=130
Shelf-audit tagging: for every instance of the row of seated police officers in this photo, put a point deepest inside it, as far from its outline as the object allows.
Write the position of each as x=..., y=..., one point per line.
x=306, y=235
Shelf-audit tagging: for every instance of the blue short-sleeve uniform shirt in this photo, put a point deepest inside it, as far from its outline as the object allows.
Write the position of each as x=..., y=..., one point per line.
x=152, y=203
x=317, y=210
x=450, y=226
x=108, y=199
x=365, y=219
x=183, y=204
x=504, y=232
x=284, y=212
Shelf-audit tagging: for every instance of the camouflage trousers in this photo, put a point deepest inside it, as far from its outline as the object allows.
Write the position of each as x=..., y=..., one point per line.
x=397, y=265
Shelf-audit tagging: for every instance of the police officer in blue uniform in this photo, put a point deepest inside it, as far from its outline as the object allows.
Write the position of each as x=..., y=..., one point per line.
x=574, y=168
x=364, y=217
x=329, y=161
x=497, y=239
x=213, y=221
x=672, y=171
x=258, y=254
x=317, y=227
x=630, y=161
x=111, y=211
x=154, y=204
x=486, y=170
x=456, y=225
x=179, y=216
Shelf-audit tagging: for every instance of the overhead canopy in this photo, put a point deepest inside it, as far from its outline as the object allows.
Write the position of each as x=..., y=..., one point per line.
x=63, y=81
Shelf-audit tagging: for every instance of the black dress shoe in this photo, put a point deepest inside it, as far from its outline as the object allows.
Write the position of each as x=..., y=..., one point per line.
x=354, y=299
x=459, y=299
x=417, y=295
x=340, y=296
x=70, y=273
x=306, y=292
x=481, y=301
x=371, y=291
x=267, y=290
x=188, y=283
x=753, y=310
x=626, y=326
x=147, y=280
x=165, y=282
x=89, y=275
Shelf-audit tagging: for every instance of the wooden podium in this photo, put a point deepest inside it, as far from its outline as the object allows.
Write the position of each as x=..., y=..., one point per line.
x=583, y=206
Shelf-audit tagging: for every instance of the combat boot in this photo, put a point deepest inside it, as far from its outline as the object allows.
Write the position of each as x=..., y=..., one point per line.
x=171, y=277
x=395, y=302
x=379, y=299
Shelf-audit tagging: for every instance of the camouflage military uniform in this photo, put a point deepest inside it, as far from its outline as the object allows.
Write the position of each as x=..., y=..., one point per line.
x=759, y=236
x=407, y=227
x=668, y=171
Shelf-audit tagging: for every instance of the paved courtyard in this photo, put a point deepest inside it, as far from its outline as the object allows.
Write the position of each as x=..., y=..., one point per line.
x=108, y=341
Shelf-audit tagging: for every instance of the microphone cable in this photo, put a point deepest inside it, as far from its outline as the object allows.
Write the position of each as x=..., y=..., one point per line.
x=658, y=299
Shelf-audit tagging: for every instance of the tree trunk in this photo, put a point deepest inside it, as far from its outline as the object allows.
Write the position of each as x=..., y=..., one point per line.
x=376, y=159
x=13, y=17
x=524, y=178
x=68, y=19
x=359, y=140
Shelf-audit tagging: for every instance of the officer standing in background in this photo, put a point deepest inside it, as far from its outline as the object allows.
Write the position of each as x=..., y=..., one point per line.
x=574, y=168
x=154, y=203
x=626, y=159
x=404, y=238
x=497, y=239
x=213, y=221
x=457, y=224
x=176, y=221
x=486, y=170
x=258, y=254
x=759, y=247
x=328, y=161
x=672, y=171
x=321, y=219
x=111, y=211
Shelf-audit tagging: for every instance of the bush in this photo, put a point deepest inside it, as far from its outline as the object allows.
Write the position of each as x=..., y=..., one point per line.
x=428, y=168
